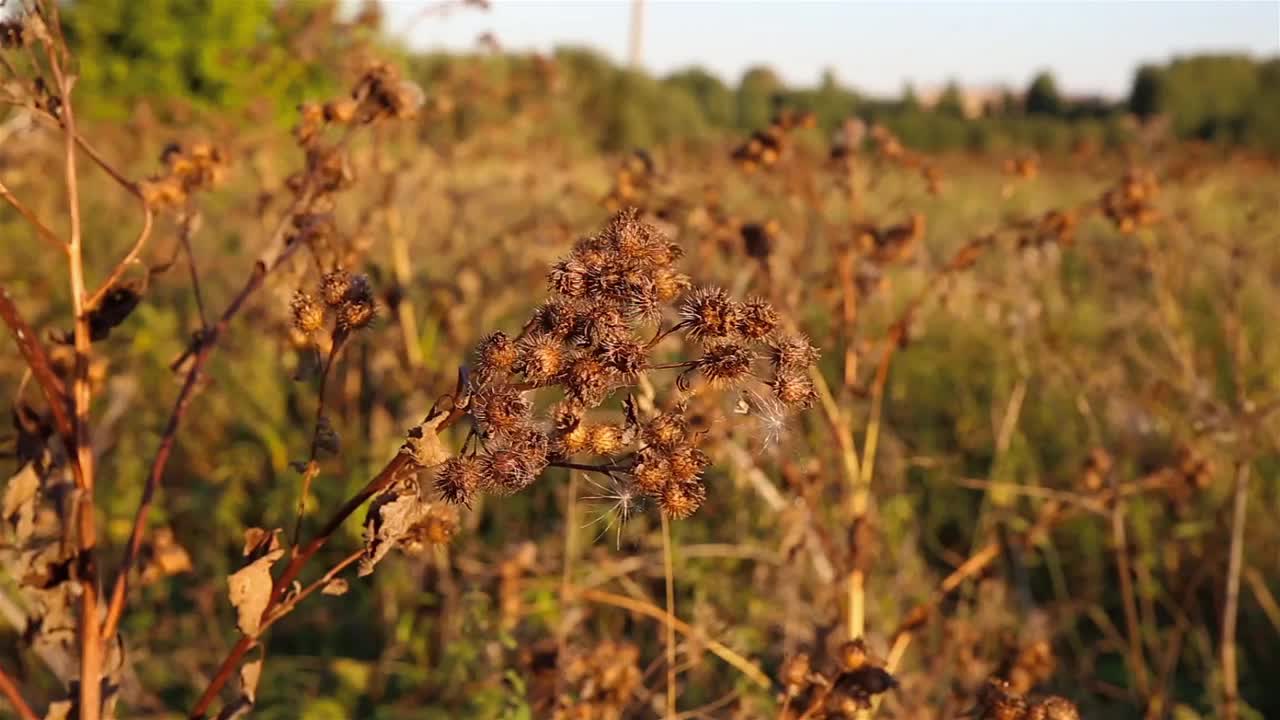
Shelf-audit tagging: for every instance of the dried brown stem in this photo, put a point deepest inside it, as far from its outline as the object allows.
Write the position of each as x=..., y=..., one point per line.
x=399, y=466
x=204, y=349
x=10, y=691
x=41, y=229
x=313, y=467
x=720, y=650
x=669, y=574
x=1230, y=610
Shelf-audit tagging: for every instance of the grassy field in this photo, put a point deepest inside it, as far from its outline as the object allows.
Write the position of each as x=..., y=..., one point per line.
x=1039, y=444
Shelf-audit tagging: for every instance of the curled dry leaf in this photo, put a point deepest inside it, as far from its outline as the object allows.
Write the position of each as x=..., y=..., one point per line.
x=336, y=586
x=164, y=557
x=250, y=590
x=259, y=542
x=250, y=672
x=394, y=513
x=390, y=518
x=18, y=507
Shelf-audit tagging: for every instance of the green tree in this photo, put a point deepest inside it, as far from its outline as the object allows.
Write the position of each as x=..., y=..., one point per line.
x=715, y=99
x=950, y=103
x=1042, y=95
x=756, y=97
x=209, y=53
x=1145, y=95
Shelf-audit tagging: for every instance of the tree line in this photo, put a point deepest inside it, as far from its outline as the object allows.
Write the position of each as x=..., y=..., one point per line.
x=229, y=54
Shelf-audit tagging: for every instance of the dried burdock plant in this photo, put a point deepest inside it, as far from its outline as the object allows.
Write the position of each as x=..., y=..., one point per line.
x=599, y=334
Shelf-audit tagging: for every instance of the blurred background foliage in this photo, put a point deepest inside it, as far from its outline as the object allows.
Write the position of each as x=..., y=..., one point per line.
x=227, y=55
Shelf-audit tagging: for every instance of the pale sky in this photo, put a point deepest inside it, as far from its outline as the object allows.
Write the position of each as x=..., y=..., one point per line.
x=876, y=47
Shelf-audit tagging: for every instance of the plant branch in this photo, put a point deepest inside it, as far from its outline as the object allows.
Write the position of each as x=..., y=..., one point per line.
x=1230, y=611
x=10, y=691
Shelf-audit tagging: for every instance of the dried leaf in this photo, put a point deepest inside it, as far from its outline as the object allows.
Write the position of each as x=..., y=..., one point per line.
x=250, y=590
x=336, y=586
x=259, y=542
x=390, y=517
x=165, y=557
x=424, y=445
x=250, y=672
x=18, y=507
x=60, y=710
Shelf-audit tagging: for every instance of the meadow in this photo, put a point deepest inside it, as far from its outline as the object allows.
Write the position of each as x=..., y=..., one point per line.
x=360, y=416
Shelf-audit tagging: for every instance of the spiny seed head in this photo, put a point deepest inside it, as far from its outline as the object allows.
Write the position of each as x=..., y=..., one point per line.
x=681, y=499
x=586, y=379
x=574, y=440
x=459, y=478
x=794, y=389
x=757, y=320
x=506, y=470
x=687, y=463
x=308, y=315
x=792, y=352
x=558, y=318
x=603, y=324
x=541, y=357
x=669, y=284
x=495, y=354
x=356, y=312
x=569, y=278
x=499, y=409
x=709, y=313
x=651, y=473
x=532, y=444
x=725, y=362
x=605, y=439
x=666, y=430
x=626, y=357
x=334, y=287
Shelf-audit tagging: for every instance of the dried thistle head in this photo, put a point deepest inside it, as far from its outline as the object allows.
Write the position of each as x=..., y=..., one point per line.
x=541, y=357
x=725, y=362
x=587, y=379
x=794, y=388
x=792, y=352
x=666, y=431
x=680, y=499
x=507, y=470
x=757, y=319
x=459, y=478
x=709, y=313
x=500, y=409
x=686, y=462
x=308, y=315
x=495, y=355
x=334, y=287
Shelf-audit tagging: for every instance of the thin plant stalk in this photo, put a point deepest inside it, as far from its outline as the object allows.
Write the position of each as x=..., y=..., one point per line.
x=1231, y=608
x=671, y=611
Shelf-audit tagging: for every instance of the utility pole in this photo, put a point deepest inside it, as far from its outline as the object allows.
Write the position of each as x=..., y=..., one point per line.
x=637, y=32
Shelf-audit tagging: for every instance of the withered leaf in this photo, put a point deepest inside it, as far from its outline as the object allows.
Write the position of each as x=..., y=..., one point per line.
x=423, y=443
x=390, y=517
x=259, y=542
x=250, y=672
x=18, y=507
x=60, y=710
x=336, y=586
x=250, y=589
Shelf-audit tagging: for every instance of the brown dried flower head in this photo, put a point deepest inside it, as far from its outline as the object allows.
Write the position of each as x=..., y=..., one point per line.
x=308, y=315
